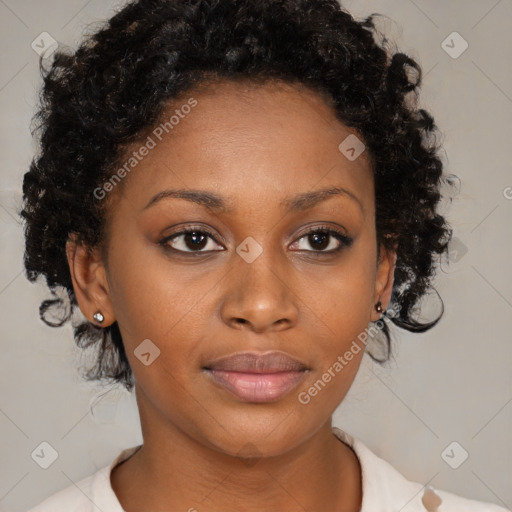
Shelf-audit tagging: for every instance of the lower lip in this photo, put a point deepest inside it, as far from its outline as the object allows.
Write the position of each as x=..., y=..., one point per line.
x=257, y=387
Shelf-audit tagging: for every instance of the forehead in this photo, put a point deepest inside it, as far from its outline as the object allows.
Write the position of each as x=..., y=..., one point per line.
x=249, y=142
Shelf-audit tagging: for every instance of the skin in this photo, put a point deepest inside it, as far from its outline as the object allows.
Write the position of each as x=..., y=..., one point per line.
x=254, y=145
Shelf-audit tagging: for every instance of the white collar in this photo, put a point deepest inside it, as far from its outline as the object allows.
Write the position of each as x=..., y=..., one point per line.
x=384, y=488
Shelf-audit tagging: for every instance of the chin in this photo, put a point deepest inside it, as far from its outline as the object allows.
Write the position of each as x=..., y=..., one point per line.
x=250, y=436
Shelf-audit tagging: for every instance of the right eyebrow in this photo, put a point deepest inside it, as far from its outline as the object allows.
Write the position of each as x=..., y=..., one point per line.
x=209, y=200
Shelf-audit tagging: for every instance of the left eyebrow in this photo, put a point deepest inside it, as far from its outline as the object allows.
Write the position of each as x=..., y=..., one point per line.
x=309, y=199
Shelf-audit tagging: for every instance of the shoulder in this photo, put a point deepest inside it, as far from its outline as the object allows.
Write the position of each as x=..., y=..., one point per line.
x=75, y=498
x=90, y=494
x=384, y=488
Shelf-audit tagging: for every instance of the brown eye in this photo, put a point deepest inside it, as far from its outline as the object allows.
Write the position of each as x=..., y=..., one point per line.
x=190, y=240
x=324, y=240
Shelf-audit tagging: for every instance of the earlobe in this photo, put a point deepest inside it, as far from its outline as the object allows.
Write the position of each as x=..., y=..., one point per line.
x=385, y=279
x=89, y=280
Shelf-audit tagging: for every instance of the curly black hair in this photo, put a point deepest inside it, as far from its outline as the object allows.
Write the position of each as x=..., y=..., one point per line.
x=115, y=86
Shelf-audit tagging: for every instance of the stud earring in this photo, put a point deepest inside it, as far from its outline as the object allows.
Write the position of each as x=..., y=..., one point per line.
x=378, y=307
x=98, y=317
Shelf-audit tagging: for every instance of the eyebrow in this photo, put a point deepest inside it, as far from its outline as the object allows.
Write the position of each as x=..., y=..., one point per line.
x=209, y=200
x=309, y=199
x=216, y=204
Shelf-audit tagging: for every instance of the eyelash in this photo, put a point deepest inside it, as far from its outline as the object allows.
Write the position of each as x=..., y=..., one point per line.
x=344, y=240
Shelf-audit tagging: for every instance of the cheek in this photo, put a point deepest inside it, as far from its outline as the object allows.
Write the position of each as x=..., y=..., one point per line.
x=342, y=298
x=155, y=299
x=337, y=335
x=340, y=316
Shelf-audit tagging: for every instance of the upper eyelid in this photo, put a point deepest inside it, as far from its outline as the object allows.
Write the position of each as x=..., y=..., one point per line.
x=328, y=229
x=307, y=231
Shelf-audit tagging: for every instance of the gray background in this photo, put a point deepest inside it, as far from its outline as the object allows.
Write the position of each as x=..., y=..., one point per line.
x=453, y=383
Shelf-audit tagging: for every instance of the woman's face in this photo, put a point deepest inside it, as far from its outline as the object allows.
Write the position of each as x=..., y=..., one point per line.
x=252, y=279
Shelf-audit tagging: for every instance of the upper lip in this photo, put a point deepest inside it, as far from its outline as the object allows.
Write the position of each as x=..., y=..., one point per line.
x=257, y=362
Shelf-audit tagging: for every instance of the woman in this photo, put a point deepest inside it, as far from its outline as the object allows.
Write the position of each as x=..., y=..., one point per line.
x=231, y=192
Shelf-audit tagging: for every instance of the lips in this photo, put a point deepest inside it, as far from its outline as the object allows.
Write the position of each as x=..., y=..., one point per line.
x=257, y=377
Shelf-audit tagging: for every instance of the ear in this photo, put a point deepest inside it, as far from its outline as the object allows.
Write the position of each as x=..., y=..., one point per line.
x=89, y=279
x=384, y=280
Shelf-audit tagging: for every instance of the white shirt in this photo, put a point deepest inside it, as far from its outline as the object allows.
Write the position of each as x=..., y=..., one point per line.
x=384, y=489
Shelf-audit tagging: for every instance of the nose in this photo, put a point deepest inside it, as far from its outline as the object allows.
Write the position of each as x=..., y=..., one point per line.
x=260, y=297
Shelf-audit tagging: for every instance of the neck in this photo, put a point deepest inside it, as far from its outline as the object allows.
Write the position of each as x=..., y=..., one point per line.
x=174, y=469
